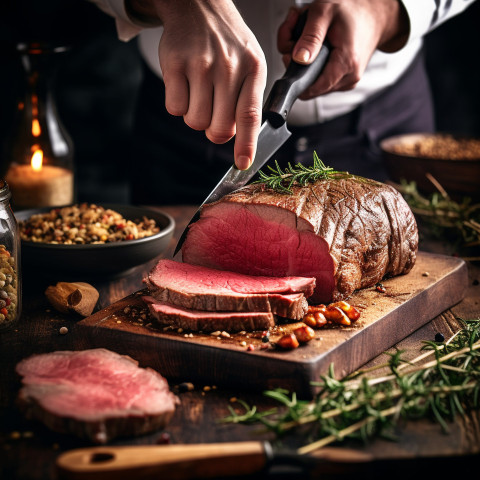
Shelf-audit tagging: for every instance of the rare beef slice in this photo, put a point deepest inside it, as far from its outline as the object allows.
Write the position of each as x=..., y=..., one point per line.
x=198, y=288
x=94, y=394
x=347, y=233
x=207, y=321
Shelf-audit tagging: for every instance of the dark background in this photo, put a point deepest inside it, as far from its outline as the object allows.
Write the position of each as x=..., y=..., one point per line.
x=98, y=80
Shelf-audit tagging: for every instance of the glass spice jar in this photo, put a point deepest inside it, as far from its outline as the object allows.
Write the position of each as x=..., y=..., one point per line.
x=10, y=279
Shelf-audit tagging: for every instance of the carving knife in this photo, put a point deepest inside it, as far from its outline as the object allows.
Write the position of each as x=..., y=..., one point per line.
x=273, y=131
x=195, y=461
x=235, y=459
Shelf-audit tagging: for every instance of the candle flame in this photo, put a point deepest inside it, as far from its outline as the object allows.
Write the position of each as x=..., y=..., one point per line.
x=37, y=160
x=36, y=130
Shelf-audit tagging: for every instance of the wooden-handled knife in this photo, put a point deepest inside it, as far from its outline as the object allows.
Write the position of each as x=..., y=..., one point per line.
x=212, y=460
x=273, y=131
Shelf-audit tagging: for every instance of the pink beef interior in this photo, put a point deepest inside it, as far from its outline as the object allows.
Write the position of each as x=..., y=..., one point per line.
x=196, y=315
x=195, y=280
x=282, y=246
x=94, y=384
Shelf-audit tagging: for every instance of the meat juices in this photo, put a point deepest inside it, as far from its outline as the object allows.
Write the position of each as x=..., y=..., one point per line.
x=94, y=394
x=347, y=233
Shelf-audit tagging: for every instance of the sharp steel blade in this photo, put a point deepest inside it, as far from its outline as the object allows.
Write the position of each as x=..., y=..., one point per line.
x=270, y=139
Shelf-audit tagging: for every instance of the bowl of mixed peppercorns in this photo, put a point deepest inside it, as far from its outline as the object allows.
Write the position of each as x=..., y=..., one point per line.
x=433, y=160
x=92, y=240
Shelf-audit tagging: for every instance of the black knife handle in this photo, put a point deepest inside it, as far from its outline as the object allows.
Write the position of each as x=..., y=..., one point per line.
x=294, y=82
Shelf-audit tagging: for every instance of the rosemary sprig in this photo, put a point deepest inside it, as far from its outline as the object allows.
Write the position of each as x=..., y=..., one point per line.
x=442, y=382
x=282, y=181
x=443, y=215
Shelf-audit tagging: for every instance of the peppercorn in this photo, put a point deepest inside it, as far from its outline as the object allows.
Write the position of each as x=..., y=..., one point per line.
x=439, y=338
x=265, y=338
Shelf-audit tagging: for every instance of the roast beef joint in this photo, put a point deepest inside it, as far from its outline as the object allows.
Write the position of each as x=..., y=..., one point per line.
x=257, y=254
x=347, y=233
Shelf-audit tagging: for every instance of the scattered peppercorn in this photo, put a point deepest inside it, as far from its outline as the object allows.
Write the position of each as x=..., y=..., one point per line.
x=380, y=288
x=439, y=338
x=63, y=330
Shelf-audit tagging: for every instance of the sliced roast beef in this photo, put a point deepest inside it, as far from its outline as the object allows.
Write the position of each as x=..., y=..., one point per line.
x=95, y=394
x=198, y=320
x=199, y=288
x=348, y=233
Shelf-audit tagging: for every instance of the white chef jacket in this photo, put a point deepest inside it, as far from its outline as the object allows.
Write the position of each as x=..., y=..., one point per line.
x=265, y=16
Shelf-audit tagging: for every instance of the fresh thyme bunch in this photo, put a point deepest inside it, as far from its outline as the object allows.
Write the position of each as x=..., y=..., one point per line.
x=282, y=181
x=441, y=383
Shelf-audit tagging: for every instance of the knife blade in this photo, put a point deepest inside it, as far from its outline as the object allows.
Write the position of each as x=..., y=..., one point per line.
x=273, y=131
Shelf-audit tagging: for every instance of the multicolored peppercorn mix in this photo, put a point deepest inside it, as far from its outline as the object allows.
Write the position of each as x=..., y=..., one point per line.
x=8, y=287
x=84, y=224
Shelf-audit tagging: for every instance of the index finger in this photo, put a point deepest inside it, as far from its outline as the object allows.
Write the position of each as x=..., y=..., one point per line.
x=248, y=117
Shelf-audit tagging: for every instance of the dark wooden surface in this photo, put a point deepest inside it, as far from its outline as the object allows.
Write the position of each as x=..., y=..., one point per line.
x=28, y=450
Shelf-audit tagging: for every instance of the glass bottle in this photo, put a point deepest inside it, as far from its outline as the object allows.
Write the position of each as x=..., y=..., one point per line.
x=10, y=278
x=39, y=152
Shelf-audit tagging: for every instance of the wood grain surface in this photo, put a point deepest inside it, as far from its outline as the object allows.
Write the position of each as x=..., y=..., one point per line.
x=28, y=450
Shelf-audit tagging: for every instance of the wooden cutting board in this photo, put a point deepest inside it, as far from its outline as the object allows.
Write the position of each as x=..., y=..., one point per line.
x=436, y=283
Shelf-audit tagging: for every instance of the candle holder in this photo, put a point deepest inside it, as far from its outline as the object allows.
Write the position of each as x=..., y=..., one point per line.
x=39, y=151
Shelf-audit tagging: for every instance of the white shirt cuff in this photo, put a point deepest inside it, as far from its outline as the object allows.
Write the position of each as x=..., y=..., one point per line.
x=420, y=13
x=126, y=27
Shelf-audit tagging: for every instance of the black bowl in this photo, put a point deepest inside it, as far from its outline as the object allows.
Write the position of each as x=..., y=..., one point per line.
x=97, y=260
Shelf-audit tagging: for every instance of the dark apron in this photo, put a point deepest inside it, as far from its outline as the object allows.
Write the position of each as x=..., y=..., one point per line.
x=173, y=164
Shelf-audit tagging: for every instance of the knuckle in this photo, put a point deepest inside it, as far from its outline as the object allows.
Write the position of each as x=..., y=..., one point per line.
x=203, y=65
x=354, y=69
x=256, y=63
x=250, y=116
x=313, y=38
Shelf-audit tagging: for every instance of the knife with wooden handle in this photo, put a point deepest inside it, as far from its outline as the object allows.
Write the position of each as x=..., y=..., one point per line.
x=210, y=460
x=273, y=131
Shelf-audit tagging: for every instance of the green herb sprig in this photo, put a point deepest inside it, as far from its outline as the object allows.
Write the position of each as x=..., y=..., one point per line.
x=282, y=181
x=445, y=217
x=361, y=406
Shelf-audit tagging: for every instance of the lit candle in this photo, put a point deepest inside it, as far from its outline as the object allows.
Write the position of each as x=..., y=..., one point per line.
x=38, y=185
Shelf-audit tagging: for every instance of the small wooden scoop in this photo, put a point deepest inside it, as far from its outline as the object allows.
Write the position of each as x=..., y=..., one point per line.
x=192, y=461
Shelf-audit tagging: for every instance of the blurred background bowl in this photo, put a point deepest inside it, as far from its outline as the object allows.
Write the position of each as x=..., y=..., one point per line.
x=92, y=261
x=411, y=157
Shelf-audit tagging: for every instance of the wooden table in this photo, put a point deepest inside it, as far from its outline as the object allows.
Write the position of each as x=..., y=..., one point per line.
x=28, y=450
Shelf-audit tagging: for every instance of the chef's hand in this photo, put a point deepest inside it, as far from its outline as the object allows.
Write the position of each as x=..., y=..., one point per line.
x=213, y=68
x=354, y=28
